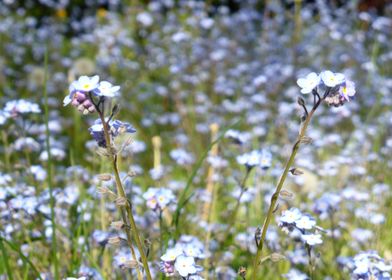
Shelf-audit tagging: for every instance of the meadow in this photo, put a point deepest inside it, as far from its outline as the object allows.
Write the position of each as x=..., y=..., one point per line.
x=195, y=140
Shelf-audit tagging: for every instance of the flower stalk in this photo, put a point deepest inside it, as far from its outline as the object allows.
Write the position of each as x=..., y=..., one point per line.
x=274, y=199
x=126, y=214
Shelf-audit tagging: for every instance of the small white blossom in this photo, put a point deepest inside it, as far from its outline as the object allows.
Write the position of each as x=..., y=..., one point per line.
x=310, y=82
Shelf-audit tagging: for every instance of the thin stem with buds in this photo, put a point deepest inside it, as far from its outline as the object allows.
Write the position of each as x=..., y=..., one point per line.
x=127, y=213
x=275, y=196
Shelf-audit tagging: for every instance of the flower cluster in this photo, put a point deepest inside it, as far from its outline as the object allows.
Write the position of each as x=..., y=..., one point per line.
x=116, y=128
x=181, y=260
x=14, y=108
x=294, y=219
x=341, y=88
x=81, y=93
x=261, y=158
x=158, y=199
x=367, y=266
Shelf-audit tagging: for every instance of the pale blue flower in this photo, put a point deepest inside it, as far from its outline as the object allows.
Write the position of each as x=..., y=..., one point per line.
x=331, y=79
x=310, y=82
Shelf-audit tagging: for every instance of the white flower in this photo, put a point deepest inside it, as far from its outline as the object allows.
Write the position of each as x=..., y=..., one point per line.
x=362, y=266
x=290, y=216
x=185, y=265
x=305, y=223
x=347, y=90
x=332, y=79
x=312, y=239
x=86, y=84
x=308, y=83
x=106, y=89
x=171, y=255
x=145, y=19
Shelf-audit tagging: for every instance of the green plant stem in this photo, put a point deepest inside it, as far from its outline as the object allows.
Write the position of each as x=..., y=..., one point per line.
x=233, y=214
x=129, y=239
x=275, y=196
x=49, y=171
x=309, y=250
x=5, y=260
x=128, y=205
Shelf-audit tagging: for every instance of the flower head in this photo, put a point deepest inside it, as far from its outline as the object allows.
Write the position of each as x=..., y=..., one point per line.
x=185, y=265
x=291, y=216
x=312, y=239
x=347, y=90
x=106, y=89
x=331, y=79
x=158, y=199
x=86, y=84
x=261, y=158
x=310, y=82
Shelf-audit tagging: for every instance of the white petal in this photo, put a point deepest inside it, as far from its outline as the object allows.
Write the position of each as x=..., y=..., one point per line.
x=95, y=79
x=67, y=100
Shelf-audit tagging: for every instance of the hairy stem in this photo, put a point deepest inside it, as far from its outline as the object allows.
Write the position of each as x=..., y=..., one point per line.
x=128, y=205
x=275, y=196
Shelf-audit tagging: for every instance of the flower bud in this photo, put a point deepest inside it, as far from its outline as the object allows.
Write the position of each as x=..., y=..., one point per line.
x=118, y=225
x=242, y=272
x=103, y=190
x=121, y=201
x=116, y=240
x=131, y=264
x=301, y=101
x=306, y=140
x=296, y=171
x=276, y=257
x=286, y=194
x=105, y=177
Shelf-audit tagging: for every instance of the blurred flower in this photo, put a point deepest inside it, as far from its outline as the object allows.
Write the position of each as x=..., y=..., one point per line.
x=158, y=199
x=106, y=89
x=331, y=79
x=310, y=82
x=261, y=158
x=116, y=128
x=347, y=90
x=312, y=239
x=84, y=66
x=14, y=108
x=185, y=265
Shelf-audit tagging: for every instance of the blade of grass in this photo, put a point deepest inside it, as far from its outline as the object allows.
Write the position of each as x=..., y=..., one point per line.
x=184, y=197
x=49, y=171
x=5, y=258
x=23, y=257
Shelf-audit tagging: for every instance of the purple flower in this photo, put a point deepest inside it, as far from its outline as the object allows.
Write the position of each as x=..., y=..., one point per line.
x=347, y=90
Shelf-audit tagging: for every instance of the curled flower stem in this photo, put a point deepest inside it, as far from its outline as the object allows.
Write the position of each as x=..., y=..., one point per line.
x=275, y=196
x=128, y=206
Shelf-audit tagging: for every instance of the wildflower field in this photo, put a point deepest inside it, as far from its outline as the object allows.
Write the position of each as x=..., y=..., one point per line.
x=173, y=139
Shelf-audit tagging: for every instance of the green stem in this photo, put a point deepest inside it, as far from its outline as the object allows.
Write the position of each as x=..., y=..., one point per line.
x=5, y=260
x=233, y=214
x=309, y=250
x=275, y=196
x=49, y=171
x=121, y=193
